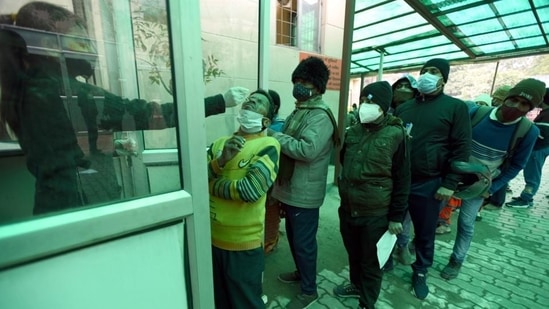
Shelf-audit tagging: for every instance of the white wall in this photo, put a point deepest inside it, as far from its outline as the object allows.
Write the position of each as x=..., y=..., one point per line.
x=149, y=274
x=230, y=33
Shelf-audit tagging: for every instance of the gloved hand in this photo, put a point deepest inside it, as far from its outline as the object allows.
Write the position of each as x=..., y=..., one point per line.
x=235, y=96
x=444, y=194
x=395, y=227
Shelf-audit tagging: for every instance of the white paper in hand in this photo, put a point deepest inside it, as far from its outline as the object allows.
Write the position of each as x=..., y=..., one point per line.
x=385, y=247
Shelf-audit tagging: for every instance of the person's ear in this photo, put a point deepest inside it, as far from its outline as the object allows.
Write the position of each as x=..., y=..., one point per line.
x=266, y=122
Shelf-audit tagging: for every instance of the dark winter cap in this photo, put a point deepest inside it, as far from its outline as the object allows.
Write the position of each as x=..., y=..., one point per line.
x=531, y=89
x=441, y=64
x=381, y=93
x=313, y=70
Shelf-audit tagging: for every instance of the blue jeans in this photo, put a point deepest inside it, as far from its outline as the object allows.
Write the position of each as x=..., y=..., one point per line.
x=466, y=227
x=301, y=229
x=532, y=173
x=424, y=210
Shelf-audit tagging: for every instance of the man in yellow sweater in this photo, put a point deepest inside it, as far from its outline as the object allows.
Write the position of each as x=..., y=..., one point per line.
x=241, y=169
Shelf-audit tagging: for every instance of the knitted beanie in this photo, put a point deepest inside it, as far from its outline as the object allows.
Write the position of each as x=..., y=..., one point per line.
x=314, y=71
x=441, y=64
x=531, y=89
x=380, y=93
x=501, y=92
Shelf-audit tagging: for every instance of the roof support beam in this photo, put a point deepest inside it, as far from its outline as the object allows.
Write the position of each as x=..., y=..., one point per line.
x=424, y=12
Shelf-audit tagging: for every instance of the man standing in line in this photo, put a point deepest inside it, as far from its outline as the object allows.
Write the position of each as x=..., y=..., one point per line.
x=532, y=170
x=440, y=130
x=491, y=139
x=374, y=187
x=307, y=141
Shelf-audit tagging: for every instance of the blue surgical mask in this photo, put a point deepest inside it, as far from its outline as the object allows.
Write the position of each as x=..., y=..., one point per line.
x=427, y=83
x=302, y=93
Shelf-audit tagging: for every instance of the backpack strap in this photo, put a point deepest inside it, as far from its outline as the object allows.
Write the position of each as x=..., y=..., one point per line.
x=479, y=114
x=522, y=128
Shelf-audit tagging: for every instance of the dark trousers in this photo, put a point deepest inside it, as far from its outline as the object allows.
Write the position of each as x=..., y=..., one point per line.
x=360, y=236
x=498, y=197
x=238, y=278
x=424, y=210
x=301, y=229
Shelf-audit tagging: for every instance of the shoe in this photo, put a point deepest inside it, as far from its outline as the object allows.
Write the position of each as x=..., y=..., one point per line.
x=290, y=277
x=302, y=301
x=491, y=207
x=404, y=256
x=514, y=198
x=347, y=290
x=451, y=270
x=479, y=217
x=419, y=285
x=520, y=203
x=443, y=229
x=265, y=299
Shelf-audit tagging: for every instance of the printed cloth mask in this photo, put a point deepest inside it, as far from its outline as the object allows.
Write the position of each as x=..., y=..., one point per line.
x=509, y=113
x=427, y=83
x=302, y=93
x=369, y=112
x=250, y=122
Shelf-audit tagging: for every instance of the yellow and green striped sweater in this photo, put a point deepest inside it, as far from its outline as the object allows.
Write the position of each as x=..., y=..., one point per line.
x=238, y=192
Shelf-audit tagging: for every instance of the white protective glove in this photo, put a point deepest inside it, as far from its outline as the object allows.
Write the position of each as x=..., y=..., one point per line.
x=235, y=96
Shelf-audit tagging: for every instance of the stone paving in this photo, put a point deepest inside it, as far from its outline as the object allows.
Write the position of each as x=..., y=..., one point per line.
x=506, y=267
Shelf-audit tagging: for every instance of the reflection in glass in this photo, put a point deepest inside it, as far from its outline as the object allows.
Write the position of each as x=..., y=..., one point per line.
x=66, y=102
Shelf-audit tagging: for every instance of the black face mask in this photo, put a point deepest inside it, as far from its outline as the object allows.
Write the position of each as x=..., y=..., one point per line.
x=509, y=113
x=402, y=95
x=302, y=93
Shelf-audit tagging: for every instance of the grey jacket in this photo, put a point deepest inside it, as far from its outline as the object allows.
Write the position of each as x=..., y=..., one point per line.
x=310, y=147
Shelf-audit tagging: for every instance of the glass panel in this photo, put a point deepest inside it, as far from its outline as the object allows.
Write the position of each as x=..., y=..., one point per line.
x=89, y=95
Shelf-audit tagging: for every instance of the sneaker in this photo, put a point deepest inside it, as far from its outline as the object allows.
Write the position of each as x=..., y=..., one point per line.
x=302, y=301
x=451, y=270
x=290, y=277
x=479, y=217
x=404, y=256
x=490, y=206
x=419, y=285
x=347, y=290
x=443, y=229
x=520, y=203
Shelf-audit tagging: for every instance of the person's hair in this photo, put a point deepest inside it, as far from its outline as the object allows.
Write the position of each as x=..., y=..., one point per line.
x=47, y=17
x=276, y=100
x=270, y=112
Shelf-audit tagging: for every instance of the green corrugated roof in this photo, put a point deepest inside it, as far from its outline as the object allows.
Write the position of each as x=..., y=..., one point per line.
x=410, y=32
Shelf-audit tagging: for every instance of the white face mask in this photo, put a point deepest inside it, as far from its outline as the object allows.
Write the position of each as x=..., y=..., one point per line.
x=427, y=83
x=250, y=122
x=369, y=112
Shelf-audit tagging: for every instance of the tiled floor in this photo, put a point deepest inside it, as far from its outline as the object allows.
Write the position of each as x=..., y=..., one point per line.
x=506, y=266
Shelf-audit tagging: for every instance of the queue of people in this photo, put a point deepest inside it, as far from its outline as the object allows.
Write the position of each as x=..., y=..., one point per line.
x=397, y=161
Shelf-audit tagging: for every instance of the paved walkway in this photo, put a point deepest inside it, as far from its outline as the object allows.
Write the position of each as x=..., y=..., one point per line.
x=507, y=265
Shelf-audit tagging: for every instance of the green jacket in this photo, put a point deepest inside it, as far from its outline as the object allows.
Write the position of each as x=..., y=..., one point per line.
x=375, y=178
